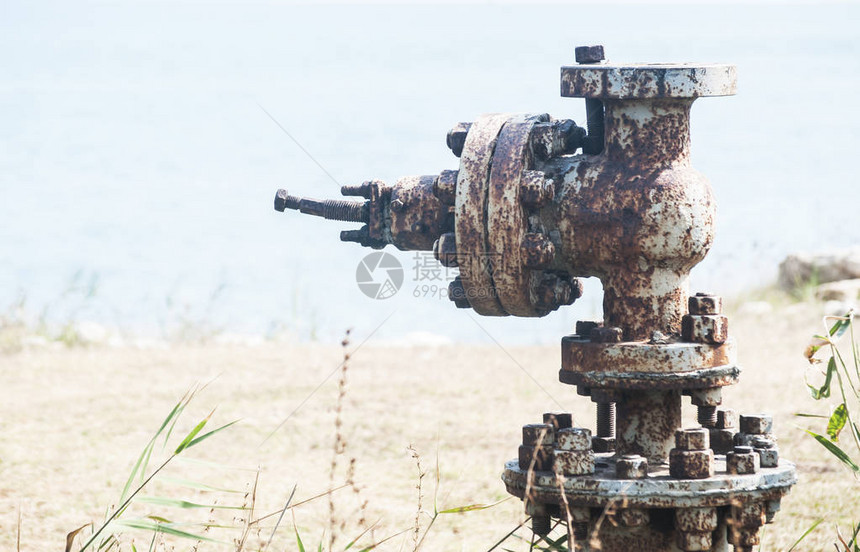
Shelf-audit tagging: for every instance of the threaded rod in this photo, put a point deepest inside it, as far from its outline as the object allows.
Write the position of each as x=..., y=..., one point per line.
x=606, y=419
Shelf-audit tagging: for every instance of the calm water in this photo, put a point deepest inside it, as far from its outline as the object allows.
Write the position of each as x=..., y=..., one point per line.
x=134, y=153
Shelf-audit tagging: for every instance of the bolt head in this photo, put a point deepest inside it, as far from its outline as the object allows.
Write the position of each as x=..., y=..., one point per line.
x=573, y=438
x=631, y=466
x=456, y=138
x=706, y=397
x=445, y=187
x=537, y=250
x=696, y=519
x=535, y=189
x=558, y=420
x=584, y=327
x=741, y=462
x=702, y=303
x=589, y=54
x=606, y=335
x=445, y=250
x=756, y=424
x=538, y=434
x=573, y=462
x=705, y=328
x=692, y=439
x=541, y=455
x=603, y=444
x=726, y=418
x=691, y=464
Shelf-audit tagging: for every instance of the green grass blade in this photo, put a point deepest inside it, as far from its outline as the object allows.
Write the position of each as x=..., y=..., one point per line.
x=192, y=434
x=202, y=486
x=805, y=534
x=834, y=449
x=184, y=504
x=299, y=540
x=211, y=433
x=147, y=525
x=471, y=507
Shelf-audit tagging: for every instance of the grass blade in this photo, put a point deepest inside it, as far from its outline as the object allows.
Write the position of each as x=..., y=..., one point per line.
x=184, y=504
x=192, y=434
x=211, y=433
x=147, y=525
x=835, y=450
x=471, y=507
x=70, y=538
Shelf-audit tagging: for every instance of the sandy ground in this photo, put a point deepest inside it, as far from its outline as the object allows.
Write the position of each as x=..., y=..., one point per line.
x=74, y=420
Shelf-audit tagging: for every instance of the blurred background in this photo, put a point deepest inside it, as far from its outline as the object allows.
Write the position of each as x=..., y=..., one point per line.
x=138, y=163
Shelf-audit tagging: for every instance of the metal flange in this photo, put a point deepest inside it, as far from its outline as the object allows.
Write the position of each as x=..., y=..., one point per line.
x=648, y=81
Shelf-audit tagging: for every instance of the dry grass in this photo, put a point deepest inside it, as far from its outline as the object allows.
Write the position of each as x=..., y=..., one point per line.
x=73, y=421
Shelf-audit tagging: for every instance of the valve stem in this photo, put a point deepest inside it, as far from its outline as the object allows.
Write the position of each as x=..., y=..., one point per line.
x=331, y=209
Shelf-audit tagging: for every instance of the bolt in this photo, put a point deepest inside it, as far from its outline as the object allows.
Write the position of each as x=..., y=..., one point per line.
x=603, y=444
x=537, y=250
x=445, y=187
x=538, y=434
x=573, y=438
x=535, y=189
x=331, y=209
x=606, y=335
x=445, y=250
x=558, y=420
x=631, y=466
x=457, y=293
x=742, y=460
x=584, y=327
x=589, y=54
x=692, y=439
x=705, y=328
x=705, y=303
x=365, y=190
x=606, y=419
x=706, y=401
x=706, y=416
x=457, y=137
x=541, y=524
x=756, y=424
x=726, y=418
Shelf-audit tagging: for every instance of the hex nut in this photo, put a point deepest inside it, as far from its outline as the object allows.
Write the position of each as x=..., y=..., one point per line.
x=631, y=466
x=573, y=438
x=756, y=424
x=722, y=440
x=558, y=420
x=748, y=514
x=445, y=187
x=705, y=328
x=537, y=251
x=603, y=444
x=740, y=462
x=583, y=391
x=542, y=457
x=691, y=464
x=606, y=335
x=535, y=189
x=692, y=439
x=584, y=327
x=703, y=303
x=696, y=519
x=694, y=541
x=726, y=418
x=600, y=395
x=538, y=434
x=633, y=517
x=748, y=439
x=768, y=457
x=589, y=54
x=712, y=396
x=456, y=138
x=573, y=462
x=445, y=250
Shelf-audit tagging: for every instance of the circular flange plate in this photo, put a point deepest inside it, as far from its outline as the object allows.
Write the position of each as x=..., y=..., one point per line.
x=583, y=355
x=507, y=221
x=643, y=81
x=658, y=490
x=471, y=213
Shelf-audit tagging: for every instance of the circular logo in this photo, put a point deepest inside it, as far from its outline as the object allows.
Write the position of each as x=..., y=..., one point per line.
x=379, y=275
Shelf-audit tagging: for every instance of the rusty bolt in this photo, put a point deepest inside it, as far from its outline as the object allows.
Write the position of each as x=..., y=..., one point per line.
x=767, y=452
x=573, y=438
x=713, y=329
x=756, y=424
x=696, y=519
x=748, y=514
x=573, y=462
x=601, y=395
x=726, y=418
x=584, y=327
x=706, y=401
x=742, y=460
x=631, y=466
x=457, y=293
x=537, y=250
x=553, y=292
x=538, y=434
x=606, y=335
x=692, y=439
x=694, y=540
x=365, y=190
x=535, y=189
x=603, y=444
x=633, y=517
x=722, y=440
x=445, y=187
x=606, y=419
x=583, y=391
x=541, y=455
x=704, y=303
x=445, y=250
x=691, y=464
x=558, y=420
x=457, y=137
x=589, y=54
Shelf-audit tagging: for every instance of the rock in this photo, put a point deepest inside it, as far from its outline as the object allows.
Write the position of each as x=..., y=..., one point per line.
x=818, y=268
x=846, y=291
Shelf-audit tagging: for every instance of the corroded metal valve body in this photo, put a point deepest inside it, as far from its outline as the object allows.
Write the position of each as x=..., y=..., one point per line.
x=538, y=202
